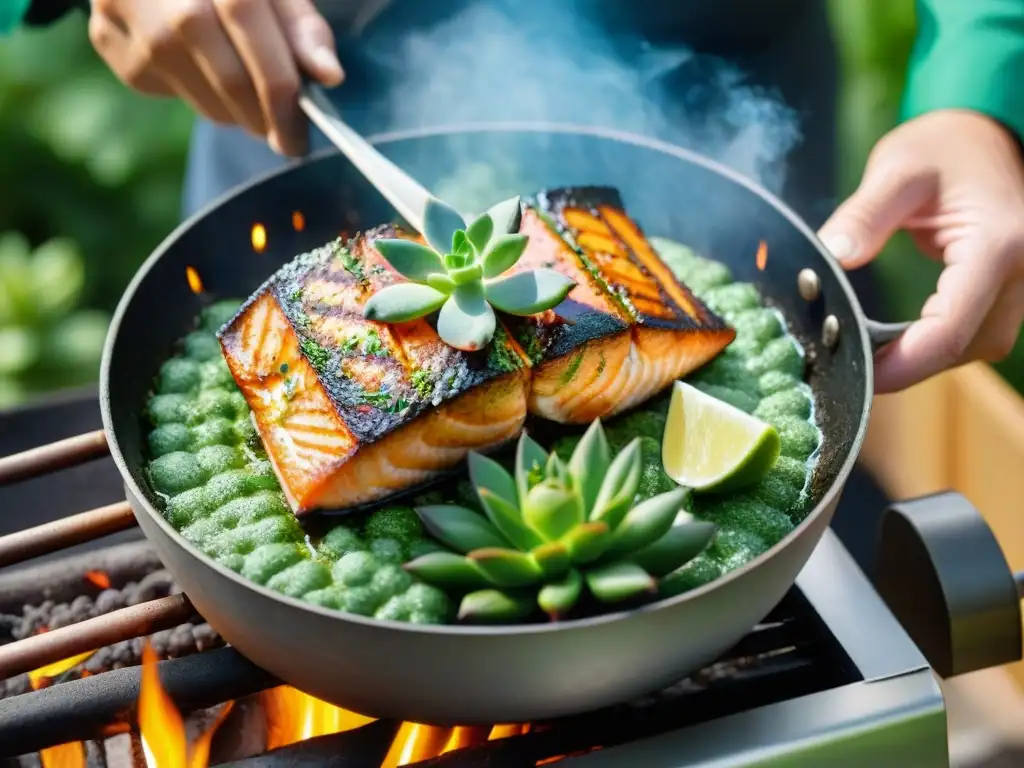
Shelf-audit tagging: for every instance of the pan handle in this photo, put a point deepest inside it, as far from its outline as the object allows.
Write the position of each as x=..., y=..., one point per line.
x=880, y=334
x=53, y=457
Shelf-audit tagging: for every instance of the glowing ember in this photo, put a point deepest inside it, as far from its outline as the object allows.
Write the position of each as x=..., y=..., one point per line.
x=98, y=579
x=507, y=731
x=294, y=716
x=195, y=283
x=71, y=755
x=761, y=259
x=298, y=221
x=38, y=678
x=259, y=238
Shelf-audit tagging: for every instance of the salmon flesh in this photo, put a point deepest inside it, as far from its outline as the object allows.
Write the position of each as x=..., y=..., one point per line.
x=352, y=411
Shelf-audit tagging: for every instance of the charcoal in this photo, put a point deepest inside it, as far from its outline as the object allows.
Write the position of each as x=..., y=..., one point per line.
x=109, y=600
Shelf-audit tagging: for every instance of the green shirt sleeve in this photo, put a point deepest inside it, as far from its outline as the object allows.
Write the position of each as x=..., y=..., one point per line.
x=969, y=55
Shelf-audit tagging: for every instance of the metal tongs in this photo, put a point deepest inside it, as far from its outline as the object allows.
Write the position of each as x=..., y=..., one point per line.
x=405, y=194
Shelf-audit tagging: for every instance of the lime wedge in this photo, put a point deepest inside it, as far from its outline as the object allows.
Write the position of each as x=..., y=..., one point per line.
x=710, y=445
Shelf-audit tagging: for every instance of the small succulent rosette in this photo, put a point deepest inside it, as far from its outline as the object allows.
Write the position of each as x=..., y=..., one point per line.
x=460, y=271
x=555, y=529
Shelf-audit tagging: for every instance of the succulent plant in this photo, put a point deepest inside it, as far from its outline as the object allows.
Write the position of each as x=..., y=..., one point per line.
x=459, y=272
x=554, y=528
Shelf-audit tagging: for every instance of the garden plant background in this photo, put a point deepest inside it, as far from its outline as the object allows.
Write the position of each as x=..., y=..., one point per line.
x=90, y=182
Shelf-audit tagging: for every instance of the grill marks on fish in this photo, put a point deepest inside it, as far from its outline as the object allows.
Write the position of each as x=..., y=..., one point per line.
x=352, y=410
x=665, y=332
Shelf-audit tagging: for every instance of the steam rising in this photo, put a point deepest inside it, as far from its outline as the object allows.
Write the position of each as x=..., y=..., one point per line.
x=484, y=65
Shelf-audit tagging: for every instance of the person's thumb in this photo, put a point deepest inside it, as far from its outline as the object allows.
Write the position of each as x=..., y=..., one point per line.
x=311, y=40
x=888, y=196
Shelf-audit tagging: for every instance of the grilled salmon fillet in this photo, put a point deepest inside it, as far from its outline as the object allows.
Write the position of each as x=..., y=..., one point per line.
x=626, y=331
x=351, y=410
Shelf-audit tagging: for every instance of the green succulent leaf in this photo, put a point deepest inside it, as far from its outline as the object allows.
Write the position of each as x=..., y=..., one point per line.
x=506, y=215
x=466, y=320
x=507, y=567
x=619, y=487
x=466, y=274
x=619, y=581
x=503, y=253
x=440, y=223
x=446, y=570
x=479, y=232
x=462, y=247
x=587, y=542
x=552, y=510
x=526, y=293
x=553, y=559
x=645, y=523
x=683, y=542
x=403, y=302
x=441, y=283
x=589, y=463
x=530, y=462
x=487, y=474
x=558, y=598
x=459, y=528
x=411, y=259
x=507, y=518
x=492, y=605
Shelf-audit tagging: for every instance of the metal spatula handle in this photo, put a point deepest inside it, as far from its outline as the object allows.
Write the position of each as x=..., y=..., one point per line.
x=406, y=194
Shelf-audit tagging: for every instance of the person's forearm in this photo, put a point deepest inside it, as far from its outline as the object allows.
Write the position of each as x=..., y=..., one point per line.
x=969, y=55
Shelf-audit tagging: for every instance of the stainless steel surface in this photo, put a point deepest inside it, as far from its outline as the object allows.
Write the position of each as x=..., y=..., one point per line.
x=808, y=284
x=399, y=670
x=894, y=718
x=406, y=194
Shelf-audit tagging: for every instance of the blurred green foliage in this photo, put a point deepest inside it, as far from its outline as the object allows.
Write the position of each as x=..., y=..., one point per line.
x=87, y=161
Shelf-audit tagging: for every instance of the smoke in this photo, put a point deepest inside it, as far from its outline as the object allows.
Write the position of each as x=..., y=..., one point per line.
x=550, y=64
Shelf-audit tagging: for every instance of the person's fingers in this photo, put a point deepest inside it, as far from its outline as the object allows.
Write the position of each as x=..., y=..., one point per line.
x=888, y=195
x=311, y=40
x=255, y=30
x=114, y=46
x=1000, y=329
x=950, y=321
x=201, y=32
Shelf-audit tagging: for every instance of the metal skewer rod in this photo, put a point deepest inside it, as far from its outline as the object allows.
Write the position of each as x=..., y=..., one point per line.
x=124, y=624
x=53, y=457
x=66, y=532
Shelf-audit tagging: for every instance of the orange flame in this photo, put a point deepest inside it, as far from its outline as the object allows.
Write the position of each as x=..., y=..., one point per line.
x=298, y=221
x=195, y=283
x=259, y=238
x=294, y=716
x=98, y=579
x=70, y=755
x=161, y=727
x=39, y=678
x=761, y=259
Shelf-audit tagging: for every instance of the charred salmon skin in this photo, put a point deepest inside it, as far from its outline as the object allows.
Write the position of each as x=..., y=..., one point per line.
x=351, y=410
x=626, y=331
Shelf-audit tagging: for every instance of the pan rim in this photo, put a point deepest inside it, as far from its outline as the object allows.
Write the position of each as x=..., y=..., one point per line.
x=827, y=501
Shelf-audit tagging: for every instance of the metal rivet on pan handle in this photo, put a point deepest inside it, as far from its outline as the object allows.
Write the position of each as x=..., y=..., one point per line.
x=830, y=332
x=808, y=284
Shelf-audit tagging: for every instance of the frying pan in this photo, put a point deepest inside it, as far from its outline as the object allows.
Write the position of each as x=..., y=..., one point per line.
x=461, y=674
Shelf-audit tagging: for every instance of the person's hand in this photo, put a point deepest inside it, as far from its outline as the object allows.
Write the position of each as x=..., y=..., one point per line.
x=955, y=181
x=235, y=61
